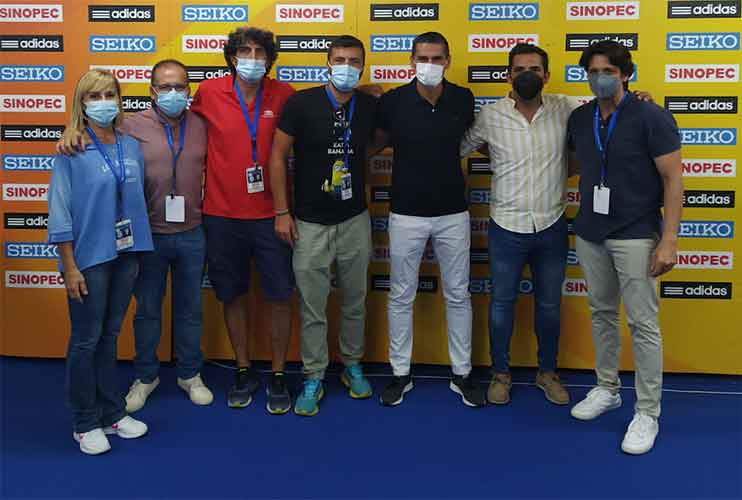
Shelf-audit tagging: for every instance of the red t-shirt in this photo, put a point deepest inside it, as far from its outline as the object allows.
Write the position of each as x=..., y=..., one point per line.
x=229, y=152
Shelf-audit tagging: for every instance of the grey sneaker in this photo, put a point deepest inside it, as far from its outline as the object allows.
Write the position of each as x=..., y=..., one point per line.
x=279, y=397
x=245, y=385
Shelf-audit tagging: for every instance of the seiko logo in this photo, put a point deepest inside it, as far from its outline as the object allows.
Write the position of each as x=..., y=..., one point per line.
x=499, y=43
x=602, y=10
x=381, y=282
x=581, y=41
x=479, y=196
x=301, y=43
x=135, y=103
x=18, y=250
x=512, y=11
x=18, y=73
x=695, y=290
x=99, y=43
x=25, y=192
x=32, y=103
x=33, y=279
x=380, y=224
x=709, y=136
x=17, y=220
x=203, y=44
x=478, y=166
x=705, y=260
x=121, y=13
x=404, y=12
x=27, y=162
x=201, y=73
x=701, y=73
x=709, y=168
x=706, y=229
x=483, y=286
x=702, y=105
x=381, y=194
x=703, y=9
x=315, y=13
x=214, y=13
x=708, y=199
x=128, y=74
x=572, y=259
x=31, y=43
x=391, y=74
x=51, y=133
x=484, y=101
x=702, y=41
x=31, y=13
x=391, y=43
x=488, y=74
x=302, y=74
x=576, y=74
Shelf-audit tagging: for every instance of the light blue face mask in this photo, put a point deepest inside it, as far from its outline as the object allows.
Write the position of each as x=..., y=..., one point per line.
x=604, y=86
x=102, y=113
x=172, y=103
x=251, y=70
x=344, y=77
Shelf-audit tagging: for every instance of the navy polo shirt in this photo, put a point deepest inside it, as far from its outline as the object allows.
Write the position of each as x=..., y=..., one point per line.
x=643, y=132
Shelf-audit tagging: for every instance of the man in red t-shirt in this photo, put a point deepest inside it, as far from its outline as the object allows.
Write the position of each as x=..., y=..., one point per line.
x=241, y=111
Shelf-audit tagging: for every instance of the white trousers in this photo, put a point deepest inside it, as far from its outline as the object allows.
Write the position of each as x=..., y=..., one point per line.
x=451, y=237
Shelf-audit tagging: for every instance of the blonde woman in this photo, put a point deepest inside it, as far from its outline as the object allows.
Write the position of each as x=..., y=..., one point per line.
x=98, y=220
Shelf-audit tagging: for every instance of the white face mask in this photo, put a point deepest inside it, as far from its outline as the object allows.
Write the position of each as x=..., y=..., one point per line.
x=428, y=74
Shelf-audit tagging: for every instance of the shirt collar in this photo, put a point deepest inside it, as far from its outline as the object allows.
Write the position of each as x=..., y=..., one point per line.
x=442, y=98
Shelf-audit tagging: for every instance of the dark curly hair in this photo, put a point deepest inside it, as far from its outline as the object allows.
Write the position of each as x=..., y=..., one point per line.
x=237, y=39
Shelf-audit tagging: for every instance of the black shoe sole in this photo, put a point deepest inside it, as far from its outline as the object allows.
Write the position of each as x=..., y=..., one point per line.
x=405, y=390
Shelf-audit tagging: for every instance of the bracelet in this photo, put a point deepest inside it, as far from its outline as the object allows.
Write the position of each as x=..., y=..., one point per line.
x=285, y=211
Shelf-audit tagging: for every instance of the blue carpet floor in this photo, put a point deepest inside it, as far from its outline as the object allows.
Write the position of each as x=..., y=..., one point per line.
x=429, y=447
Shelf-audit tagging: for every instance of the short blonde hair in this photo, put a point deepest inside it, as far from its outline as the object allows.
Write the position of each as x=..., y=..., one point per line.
x=95, y=80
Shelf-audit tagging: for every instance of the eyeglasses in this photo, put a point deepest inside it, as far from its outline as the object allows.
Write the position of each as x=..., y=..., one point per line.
x=167, y=87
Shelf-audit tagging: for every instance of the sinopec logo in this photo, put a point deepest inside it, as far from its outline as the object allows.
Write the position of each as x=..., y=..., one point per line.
x=574, y=287
x=581, y=41
x=487, y=74
x=34, y=133
x=693, y=167
x=30, y=250
x=34, y=221
x=479, y=225
x=100, y=43
x=478, y=166
x=404, y=12
x=33, y=279
x=304, y=43
x=392, y=74
x=699, y=9
x=25, y=192
x=708, y=136
x=499, y=43
x=381, y=282
x=20, y=73
x=31, y=13
x=302, y=74
x=706, y=229
x=391, y=43
x=380, y=165
x=381, y=253
x=314, y=13
x=573, y=197
x=201, y=73
x=511, y=11
x=28, y=162
x=708, y=199
x=675, y=73
x=214, y=13
x=121, y=13
x=704, y=260
x=602, y=10
x=711, y=105
x=695, y=290
x=31, y=43
x=203, y=44
x=381, y=194
x=15, y=103
x=128, y=74
x=136, y=103
x=574, y=73
x=702, y=41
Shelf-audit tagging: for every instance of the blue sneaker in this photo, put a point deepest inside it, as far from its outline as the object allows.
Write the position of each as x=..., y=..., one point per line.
x=307, y=404
x=354, y=380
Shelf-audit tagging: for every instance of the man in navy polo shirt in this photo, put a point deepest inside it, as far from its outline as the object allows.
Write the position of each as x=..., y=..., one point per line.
x=629, y=156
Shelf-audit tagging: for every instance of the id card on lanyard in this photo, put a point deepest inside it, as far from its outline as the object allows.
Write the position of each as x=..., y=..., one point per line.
x=174, y=204
x=254, y=173
x=601, y=192
x=340, y=185
x=122, y=228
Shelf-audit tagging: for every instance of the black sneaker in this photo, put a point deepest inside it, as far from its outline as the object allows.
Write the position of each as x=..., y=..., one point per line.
x=279, y=398
x=245, y=384
x=394, y=392
x=471, y=394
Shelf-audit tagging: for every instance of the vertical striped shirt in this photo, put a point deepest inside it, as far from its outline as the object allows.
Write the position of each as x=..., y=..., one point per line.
x=528, y=161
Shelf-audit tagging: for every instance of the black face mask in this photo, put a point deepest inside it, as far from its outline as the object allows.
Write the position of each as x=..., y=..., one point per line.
x=528, y=84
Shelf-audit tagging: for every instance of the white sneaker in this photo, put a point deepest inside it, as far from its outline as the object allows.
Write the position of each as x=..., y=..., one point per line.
x=92, y=442
x=138, y=394
x=598, y=401
x=640, y=435
x=127, y=428
x=197, y=391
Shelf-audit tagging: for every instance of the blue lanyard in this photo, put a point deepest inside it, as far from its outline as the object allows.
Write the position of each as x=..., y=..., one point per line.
x=118, y=173
x=252, y=125
x=347, y=131
x=603, y=148
x=171, y=144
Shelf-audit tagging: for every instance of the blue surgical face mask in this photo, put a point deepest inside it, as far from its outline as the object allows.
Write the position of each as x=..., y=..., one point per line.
x=251, y=70
x=603, y=86
x=172, y=103
x=103, y=112
x=344, y=77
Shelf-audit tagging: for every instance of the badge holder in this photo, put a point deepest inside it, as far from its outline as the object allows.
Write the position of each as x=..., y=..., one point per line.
x=124, y=235
x=174, y=208
x=255, y=182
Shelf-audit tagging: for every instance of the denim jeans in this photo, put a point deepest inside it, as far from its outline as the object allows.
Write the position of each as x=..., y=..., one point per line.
x=184, y=254
x=92, y=387
x=546, y=254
